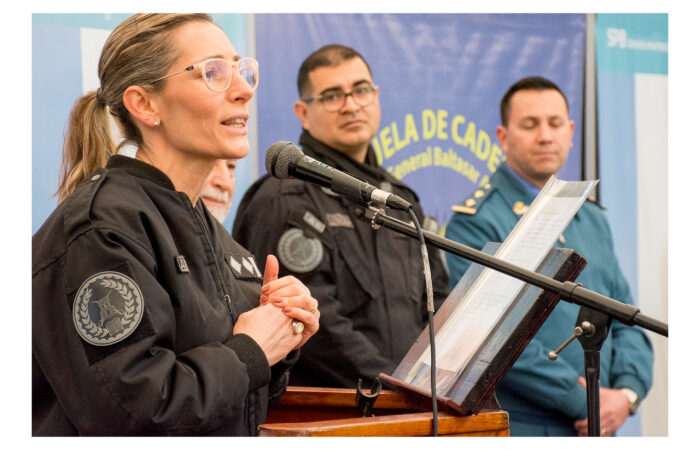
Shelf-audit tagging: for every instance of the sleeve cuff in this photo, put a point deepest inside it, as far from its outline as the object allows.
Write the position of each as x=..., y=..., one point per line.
x=281, y=367
x=250, y=354
x=631, y=382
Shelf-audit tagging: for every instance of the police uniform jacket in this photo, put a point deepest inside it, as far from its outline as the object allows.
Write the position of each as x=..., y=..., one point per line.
x=543, y=397
x=369, y=284
x=134, y=297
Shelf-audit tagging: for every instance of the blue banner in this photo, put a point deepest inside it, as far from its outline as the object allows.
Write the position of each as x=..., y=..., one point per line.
x=441, y=78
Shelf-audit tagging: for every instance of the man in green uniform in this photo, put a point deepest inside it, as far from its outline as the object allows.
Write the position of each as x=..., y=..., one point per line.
x=546, y=397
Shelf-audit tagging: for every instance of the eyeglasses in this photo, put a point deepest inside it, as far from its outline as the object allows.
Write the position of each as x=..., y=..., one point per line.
x=217, y=72
x=334, y=99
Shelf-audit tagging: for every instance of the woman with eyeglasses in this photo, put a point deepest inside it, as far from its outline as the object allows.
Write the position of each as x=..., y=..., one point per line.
x=147, y=318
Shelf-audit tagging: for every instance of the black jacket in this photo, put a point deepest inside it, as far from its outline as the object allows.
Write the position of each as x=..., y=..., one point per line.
x=369, y=284
x=134, y=297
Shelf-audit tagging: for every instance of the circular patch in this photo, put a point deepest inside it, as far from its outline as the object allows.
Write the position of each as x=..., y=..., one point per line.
x=107, y=308
x=298, y=252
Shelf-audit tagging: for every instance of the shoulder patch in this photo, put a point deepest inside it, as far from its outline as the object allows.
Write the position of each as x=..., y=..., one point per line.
x=107, y=308
x=298, y=252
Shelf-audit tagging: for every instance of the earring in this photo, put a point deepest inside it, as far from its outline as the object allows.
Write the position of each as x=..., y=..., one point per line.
x=155, y=124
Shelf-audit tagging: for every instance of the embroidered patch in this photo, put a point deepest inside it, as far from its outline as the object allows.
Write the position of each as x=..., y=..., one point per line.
x=181, y=263
x=244, y=267
x=107, y=308
x=339, y=220
x=298, y=252
x=314, y=222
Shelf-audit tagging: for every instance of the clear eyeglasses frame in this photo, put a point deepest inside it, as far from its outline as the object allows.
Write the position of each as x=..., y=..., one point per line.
x=218, y=72
x=333, y=100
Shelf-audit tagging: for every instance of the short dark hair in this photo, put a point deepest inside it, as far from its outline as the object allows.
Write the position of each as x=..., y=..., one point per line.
x=527, y=84
x=327, y=56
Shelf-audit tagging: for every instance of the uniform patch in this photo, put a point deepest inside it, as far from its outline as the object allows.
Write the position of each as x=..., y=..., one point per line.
x=107, y=308
x=181, y=264
x=298, y=252
x=314, y=222
x=244, y=267
x=339, y=220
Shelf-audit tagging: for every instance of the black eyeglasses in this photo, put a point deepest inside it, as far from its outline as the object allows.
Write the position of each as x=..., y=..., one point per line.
x=333, y=100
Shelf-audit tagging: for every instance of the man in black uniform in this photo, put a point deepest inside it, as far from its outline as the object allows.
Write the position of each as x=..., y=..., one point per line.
x=369, y=284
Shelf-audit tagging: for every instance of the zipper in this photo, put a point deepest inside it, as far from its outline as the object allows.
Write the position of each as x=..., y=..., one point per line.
x=226, y=298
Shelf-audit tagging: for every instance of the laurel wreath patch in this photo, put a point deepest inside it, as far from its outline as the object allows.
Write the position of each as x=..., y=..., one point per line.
x=107, y=308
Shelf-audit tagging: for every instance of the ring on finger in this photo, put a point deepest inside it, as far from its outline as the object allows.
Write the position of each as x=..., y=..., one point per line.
x=297, y=327
x=314, y=308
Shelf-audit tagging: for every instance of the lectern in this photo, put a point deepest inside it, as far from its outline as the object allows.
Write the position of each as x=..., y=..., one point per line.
x=309, y=411
x=468, y=406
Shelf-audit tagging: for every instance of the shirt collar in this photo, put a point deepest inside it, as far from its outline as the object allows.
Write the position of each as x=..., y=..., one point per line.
x=531, y=188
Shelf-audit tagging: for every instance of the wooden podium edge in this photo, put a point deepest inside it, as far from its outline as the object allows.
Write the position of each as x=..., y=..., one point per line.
x=493, y=423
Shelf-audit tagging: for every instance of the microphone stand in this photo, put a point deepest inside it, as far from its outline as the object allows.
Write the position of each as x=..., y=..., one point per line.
x=593, y=322
x=568, y=291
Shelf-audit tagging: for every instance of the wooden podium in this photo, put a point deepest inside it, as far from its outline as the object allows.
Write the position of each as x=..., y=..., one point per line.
x=311, y=411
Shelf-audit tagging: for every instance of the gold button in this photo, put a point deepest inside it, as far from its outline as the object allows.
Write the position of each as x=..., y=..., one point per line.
x=520, y=208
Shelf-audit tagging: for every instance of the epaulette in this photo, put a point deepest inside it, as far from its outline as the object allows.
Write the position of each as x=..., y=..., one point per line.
x=472, y=204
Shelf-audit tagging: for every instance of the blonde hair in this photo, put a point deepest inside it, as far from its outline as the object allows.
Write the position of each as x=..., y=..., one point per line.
x=138, y=51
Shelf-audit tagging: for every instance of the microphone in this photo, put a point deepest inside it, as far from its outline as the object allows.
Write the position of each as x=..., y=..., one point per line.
x=285, y=160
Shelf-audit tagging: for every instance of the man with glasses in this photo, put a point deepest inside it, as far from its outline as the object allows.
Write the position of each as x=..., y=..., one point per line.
x=369, y=284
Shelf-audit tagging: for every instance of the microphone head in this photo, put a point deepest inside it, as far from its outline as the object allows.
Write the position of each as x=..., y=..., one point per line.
x=279, y=157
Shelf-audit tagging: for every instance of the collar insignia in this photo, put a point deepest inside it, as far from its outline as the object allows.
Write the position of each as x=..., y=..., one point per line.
x=520, y=208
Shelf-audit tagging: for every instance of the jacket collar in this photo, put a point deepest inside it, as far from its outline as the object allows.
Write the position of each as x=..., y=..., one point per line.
x=140, y=169
x=510, y=187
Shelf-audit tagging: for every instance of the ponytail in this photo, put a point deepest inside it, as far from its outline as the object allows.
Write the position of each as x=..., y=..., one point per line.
x=137, y=52
x=88, y=143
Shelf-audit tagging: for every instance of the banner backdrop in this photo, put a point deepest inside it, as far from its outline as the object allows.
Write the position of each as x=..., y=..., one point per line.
x=632, y=82
x=440, y=78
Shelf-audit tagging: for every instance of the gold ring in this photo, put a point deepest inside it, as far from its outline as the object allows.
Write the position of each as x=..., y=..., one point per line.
x=314, y=308
x=297, y=327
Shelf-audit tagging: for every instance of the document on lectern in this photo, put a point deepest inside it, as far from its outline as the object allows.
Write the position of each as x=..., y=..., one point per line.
x=491, y=294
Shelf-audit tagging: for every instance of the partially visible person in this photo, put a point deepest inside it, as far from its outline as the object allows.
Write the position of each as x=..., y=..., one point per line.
x=543, y=397
x=218, y=189
x=369, y=283
x=147, y=318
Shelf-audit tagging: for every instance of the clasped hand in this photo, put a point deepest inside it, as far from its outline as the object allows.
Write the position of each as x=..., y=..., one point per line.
x=282, y=301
